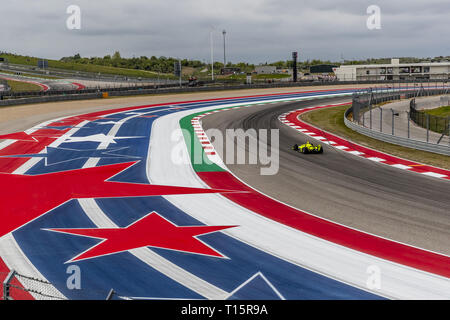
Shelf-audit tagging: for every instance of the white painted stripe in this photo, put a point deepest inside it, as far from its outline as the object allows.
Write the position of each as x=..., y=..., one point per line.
x=27, y=166
x=253, y=277
x=434, y=174
x=91, y=162
x=401, y=166
x=376, y=159
x=6, y=143
x=356, y=153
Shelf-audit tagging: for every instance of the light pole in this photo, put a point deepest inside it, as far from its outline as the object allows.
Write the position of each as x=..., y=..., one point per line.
x=224, y=56
x=212, y=54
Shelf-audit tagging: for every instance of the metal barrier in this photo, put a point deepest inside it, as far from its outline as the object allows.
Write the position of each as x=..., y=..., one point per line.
x=392, y=124
x=136, y=89
x=16, y=284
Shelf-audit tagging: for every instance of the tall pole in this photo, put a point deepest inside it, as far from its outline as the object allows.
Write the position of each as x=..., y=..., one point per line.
x=224, y=55
x=179, y=63
x=212, y=55
x=294, y=66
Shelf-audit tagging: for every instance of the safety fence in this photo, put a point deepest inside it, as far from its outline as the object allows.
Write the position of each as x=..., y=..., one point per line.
x=366, y=99
x=428, y=121
x=16, y=286
x=395, y=123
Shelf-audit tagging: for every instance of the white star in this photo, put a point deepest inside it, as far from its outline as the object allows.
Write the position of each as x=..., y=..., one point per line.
x=101, y=138
x=108, y=122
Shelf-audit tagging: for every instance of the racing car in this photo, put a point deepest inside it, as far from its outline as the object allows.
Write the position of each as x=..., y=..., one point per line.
x=308, y=148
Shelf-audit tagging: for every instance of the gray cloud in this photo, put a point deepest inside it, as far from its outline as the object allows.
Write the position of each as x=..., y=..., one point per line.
x=257, y=30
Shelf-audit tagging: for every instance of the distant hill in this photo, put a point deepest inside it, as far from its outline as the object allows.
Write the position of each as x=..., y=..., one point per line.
x=84, y=66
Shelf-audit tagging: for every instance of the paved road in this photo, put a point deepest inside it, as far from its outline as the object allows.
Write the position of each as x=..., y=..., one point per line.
x=401, y=121
x=369, y=196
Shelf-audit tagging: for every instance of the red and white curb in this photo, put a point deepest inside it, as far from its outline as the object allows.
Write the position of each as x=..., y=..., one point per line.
x=43, y=86
x=206, y=144
x=292, y=120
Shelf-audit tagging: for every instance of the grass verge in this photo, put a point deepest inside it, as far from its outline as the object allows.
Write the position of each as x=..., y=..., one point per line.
x=332, y=120
x=440, y=112
x=18, y=86
x=92, y=68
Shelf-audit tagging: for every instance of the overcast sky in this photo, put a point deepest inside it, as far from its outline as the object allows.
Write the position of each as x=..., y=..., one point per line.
x=257, y=30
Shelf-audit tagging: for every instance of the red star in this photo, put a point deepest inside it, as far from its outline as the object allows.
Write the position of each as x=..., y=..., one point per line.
x=24, y=198
x=150, y=231
x=38, y=136
x=78, y=119
x=21, y=136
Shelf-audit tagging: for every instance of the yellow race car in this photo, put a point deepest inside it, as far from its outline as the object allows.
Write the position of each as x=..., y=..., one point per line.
x=308, y=148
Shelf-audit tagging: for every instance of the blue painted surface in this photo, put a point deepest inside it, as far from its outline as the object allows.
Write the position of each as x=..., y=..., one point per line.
x=129, y=276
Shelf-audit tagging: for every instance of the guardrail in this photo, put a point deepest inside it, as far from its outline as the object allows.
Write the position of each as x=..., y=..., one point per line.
x=13, y=102
x=13, y=98
x=65, y=95
x=405, y=142
x=185, y=85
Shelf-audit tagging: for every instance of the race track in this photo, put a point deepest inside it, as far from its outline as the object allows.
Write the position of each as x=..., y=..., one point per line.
x=343, y=188
x=119, y=195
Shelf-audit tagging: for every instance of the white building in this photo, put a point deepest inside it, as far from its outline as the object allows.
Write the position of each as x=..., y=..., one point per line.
x=394, y=71
x=265, y=69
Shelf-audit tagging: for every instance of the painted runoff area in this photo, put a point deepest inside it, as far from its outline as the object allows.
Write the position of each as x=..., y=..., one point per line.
x=113, y=172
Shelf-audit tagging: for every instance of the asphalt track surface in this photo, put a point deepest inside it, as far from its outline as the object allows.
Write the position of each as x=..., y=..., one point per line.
x=372, y=197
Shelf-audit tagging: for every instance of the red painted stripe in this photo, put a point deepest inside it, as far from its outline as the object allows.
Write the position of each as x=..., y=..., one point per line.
x=327, y=230
x=79, y=86
x=43, y=86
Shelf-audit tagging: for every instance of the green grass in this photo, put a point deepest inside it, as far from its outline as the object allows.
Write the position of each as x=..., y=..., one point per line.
x=332, y=120
x=18, y=86
x=440, y=112
x=32, y=61
x=439, y=119
x=199, y=160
